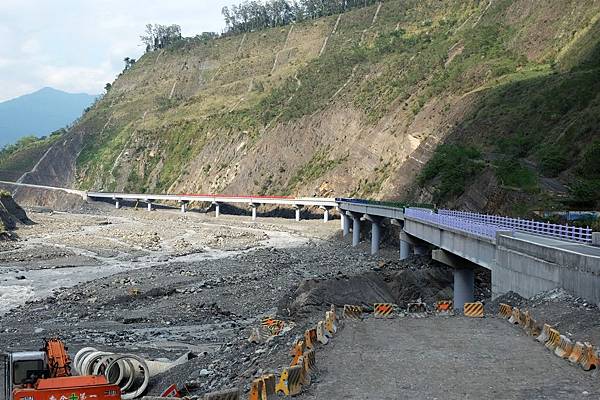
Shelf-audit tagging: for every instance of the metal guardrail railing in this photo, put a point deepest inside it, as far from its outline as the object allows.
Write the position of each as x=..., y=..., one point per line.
x=395, y=204
x=449, y=221
x=566, y=232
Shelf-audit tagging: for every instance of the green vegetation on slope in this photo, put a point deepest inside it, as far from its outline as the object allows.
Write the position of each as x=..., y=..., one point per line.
x=21, y=157
x=512, y=100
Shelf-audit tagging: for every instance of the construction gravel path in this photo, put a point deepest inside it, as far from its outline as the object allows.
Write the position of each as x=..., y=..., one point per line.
x=443, y=358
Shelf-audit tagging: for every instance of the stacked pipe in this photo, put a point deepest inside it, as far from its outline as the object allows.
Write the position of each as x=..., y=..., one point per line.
x=130, y=372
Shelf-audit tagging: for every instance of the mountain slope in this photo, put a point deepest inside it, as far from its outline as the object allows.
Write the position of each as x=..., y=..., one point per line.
x=357, y=104
x=40, y=113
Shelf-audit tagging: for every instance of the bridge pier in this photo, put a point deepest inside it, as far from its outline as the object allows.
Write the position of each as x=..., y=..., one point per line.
x=375, y=232
x=254, y=206
x=339, y=211
x=355, y=229
x=149, y=205
x=464, y=276
x=183, y=207
x=405, y=249
x=325, y=214
x=117, y=204
x=464, y=287
x=345, y=223
x=410, y=244
x=217, y=209
x=297, y=209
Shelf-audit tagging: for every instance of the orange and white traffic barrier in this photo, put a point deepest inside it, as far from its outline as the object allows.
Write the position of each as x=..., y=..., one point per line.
x=545, y=335
x=330, y=324
x=553, y=339
x=564, y=348
x=310, y=337
x=589, y=359
x=323, y=335
x=444, y=307
x=383, y=310
x=505, y=310
x=297, y=351
x=515, y=317
x=577, y=353
x=530, y=325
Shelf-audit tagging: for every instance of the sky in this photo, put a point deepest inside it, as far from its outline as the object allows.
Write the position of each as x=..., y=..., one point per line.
x=79, y=45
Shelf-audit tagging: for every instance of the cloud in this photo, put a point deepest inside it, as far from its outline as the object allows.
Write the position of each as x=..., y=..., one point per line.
x=78, y=46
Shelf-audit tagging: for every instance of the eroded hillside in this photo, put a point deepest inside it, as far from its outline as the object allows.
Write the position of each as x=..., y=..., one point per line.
x=357, y=104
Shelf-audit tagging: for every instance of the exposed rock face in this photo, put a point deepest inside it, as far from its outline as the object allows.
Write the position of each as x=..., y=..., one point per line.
x=11, y=215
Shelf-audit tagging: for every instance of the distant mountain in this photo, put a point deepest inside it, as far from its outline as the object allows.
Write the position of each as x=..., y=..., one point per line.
x=40, y=113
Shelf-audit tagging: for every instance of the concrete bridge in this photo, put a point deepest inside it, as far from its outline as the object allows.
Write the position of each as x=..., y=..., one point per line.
x=326, y=204
x=526, y=257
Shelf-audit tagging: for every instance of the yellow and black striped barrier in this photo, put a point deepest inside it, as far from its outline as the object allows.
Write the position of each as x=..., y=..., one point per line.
x=263, y=388
x=290, y=382
x=352, y=312
x=553, y=339
x=505, y=311
x=473, y=310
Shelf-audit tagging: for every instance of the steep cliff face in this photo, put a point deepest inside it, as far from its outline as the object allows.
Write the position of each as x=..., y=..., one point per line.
x=354, y=104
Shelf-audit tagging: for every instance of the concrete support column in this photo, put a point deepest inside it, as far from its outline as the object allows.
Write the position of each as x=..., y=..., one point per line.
x=341, y=217
x=375, y=236
x=117, y=204
x=183, y=207
x=217, y=210
x=297, y=209
x=254, y=206
x=405, y=249
x=345, y=224
x=464, y=287
x=325, y=214
x=149, y=206
x=355, y=230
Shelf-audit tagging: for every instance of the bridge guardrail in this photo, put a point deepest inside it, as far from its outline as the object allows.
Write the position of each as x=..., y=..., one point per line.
x=573, y=233
x=449, y=221
x=395, y=204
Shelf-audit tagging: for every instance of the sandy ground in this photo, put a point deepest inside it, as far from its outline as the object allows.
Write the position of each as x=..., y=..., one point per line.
x=450, y=358
x=63, y=250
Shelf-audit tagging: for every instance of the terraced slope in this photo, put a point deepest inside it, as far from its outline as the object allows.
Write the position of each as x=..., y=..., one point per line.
x=357, y=104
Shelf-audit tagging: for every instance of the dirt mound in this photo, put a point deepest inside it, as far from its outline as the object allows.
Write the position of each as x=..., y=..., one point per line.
x=429, y=283
x=11, y=214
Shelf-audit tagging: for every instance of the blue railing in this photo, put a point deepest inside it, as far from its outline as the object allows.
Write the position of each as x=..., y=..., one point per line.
x=565, y=232
x=460, y=224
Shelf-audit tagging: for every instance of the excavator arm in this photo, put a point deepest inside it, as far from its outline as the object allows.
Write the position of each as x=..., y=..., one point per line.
x=59, y=363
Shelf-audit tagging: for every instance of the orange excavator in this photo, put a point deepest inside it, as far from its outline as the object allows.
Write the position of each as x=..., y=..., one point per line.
x=46, y=375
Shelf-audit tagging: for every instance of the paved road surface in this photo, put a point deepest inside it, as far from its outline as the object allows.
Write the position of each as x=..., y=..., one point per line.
x=561, y=244
x=444, y=358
